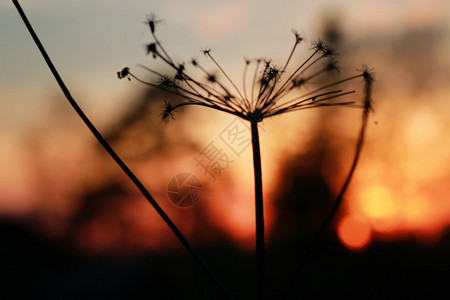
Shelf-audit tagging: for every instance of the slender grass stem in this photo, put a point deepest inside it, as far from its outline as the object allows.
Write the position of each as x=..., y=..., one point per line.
x=259, y=209
x=252, y=102
x=244, y=85
x=226, y=75
x=116, y=158
x=337, y=203
x=295, y=73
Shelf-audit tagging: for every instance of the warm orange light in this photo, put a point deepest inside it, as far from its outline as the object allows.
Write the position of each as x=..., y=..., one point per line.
x=378, y=204
x=353, y=233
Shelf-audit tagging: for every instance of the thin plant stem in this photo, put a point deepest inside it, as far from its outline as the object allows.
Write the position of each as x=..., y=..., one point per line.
x=259, y=209
x=334, y=209
x=116, y=158
x=224, y=73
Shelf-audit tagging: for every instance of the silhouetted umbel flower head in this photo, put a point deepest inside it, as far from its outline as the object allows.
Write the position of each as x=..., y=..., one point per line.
x=266, y=90
x=123, y=73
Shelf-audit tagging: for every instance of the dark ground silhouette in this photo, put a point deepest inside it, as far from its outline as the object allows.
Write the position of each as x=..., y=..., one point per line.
x=31, y=268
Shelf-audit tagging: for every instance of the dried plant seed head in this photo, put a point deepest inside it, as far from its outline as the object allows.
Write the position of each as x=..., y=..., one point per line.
x=331, y=65
x=124, y=73
x=151, y=22
x=180, y=72
x=165, y=81
x=272, y=73
x=298, y=82
x=298, y=37
x=266, y=90
x=151, y=48
x=368, y=105
x=263, y=81
x=329, y=52
x=368, y=77
x=167, y=111
x=367, y=73
x=206, y=51
x=319, y=46
x=211, y=78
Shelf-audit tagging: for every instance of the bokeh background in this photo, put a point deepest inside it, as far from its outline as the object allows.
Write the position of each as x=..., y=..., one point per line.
x=73, y=224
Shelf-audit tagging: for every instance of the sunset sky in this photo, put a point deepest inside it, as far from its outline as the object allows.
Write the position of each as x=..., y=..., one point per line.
x=402, y=184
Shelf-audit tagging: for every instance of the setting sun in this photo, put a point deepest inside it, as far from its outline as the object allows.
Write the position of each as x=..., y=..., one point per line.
x=353, y=233
x=379, y=206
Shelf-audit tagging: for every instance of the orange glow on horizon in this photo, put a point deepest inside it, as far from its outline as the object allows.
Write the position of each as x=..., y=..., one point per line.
x=391, y=214
x=379, y=206
x=400, y=187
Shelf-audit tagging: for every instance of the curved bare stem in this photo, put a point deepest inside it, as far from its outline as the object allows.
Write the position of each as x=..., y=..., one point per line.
x=334, y=209
x=116, y=158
